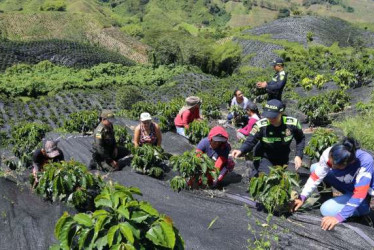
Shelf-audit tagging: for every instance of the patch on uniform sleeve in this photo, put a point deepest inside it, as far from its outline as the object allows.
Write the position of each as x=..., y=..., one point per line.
x=281, y=77
x=254, y=130
x=98, y=136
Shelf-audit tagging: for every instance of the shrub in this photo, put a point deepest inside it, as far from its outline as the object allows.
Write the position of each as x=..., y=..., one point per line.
x=344, y=78
x=197, y=130
x=128, y=95
x=193, y=169
x=68, y=182
x=81, y=121
x=119, y=222
x=274, y=190
x=167, y=112
x=25, y=138
x=238, y=113
x=321, y=139
x=210, y=106
x=148, y=160
x=123, y=138
x=140, y=107
x=53, y=5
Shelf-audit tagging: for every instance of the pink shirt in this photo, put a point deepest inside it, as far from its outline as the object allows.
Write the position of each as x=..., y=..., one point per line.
x=247, y=129
x=186, y=117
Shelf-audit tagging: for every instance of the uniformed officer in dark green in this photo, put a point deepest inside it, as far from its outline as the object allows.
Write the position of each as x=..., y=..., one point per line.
x=275, y=87
x=105, y=150
x=272, y=137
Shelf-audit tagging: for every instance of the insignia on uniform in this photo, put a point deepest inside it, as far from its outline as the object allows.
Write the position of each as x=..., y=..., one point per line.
x=254, y=130
x=98, y=136
x=288, y=132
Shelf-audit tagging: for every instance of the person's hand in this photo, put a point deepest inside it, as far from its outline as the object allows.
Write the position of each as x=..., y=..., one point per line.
x=296, y=204
x=236, y=153
x=298, y=162
x=261, y=85
x=114, y=164
x=329, y=222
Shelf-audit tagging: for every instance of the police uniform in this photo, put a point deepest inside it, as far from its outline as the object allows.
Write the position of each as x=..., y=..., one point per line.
x=104, y=147
x=272, y=144
x=275, y=87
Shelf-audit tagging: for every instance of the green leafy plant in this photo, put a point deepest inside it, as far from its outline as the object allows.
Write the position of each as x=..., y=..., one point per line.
x=238, y=113
x=166, y=113
x=274, y=190
x=123, y=138
x=81, y=121
x=25, y=138
x=197, y=130
x=119, y=222
x=148, y=160
x=321, y=139
x=128, y=95
x=344, y=78
x=69, y=182
x=194, y=170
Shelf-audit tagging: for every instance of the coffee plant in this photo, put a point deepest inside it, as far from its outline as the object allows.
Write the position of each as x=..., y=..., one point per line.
x=321, y=139
x=148, y=160
x=274, y=190
x=195, y=170
x=140, y=107
x=128, y=95
x=167, y=112
x=197, y=130
x=69, y=182
x=210, y=106
x=123, y=138
x=119, y=222
x=81, y=121
x=344, y=78
x=25, y=138
x=238, y=113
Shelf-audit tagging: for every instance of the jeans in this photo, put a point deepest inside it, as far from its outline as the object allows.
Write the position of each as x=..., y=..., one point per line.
x=180, y=131
x=334, y=205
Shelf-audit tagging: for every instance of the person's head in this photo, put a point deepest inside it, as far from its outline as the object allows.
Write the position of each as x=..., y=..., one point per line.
x=107, y=117
x=252, y=109
x=278, y=64
x=273, y=112
x=145, y=119
x=239, y=95
x=343, y=153
x=50, y=149
x=218, y=136
x=193, y=102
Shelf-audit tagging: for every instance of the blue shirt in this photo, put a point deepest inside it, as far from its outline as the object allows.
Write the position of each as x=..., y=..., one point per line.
x=204, y=146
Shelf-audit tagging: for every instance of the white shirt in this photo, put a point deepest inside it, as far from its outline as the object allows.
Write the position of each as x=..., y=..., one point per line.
x=244, y=103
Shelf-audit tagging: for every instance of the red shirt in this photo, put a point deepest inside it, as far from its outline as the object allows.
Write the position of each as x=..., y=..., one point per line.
x=186, y=117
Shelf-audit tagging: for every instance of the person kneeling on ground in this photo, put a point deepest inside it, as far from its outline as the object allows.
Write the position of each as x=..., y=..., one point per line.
x=348, y=169
x=254, y=116
x=187, y=114
x=272, y=137
x=147, y=132
x=216, y=146
x=105, y=151
x=49, y=153
x=241, y=101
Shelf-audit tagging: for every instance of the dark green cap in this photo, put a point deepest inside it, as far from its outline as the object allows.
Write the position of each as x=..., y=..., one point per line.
x=107, y=114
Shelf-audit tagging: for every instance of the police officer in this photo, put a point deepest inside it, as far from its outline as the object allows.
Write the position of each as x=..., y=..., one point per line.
x=105, y=150
x=273, y=136
x=275, y=87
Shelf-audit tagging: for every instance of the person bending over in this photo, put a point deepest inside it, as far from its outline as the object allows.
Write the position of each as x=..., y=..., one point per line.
x=272, y=137
x=187, y=114
x=348, y=169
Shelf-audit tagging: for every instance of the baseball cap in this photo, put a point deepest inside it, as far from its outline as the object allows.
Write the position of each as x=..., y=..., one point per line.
x=107, y=114
x=272, y=108
x=145, y=117
x=277, y=61
x=219, y=138
x=51, y=150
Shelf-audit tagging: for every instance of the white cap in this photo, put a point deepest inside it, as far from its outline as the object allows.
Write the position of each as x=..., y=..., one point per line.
x=145, y=117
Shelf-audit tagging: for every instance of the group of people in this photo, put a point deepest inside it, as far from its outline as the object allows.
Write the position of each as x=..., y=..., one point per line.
x=344, y=166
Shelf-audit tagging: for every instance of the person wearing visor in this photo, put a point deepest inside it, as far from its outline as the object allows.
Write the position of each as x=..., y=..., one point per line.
x=49, y=153
x=187, y=114
x=216, y=146
x=275, y=87
x=105, y=151
x=348, y=169
x=272, y=137
x=147, y=132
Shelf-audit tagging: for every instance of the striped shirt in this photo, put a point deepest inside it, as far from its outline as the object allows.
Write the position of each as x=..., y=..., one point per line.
x=356, y=178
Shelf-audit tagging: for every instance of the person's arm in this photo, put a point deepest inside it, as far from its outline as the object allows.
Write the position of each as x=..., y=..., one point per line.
x=101, y=150
x=247, y=129
x=186, y=116
x=300, y=140
x=360, y=192
x=278, y=84
x=158, y=134
x=251, y=141
x=316, y=176
x=136, y=136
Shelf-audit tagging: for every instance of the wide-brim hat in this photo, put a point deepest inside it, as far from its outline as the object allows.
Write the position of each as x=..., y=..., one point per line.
x=51, y=149
x=191, y=102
